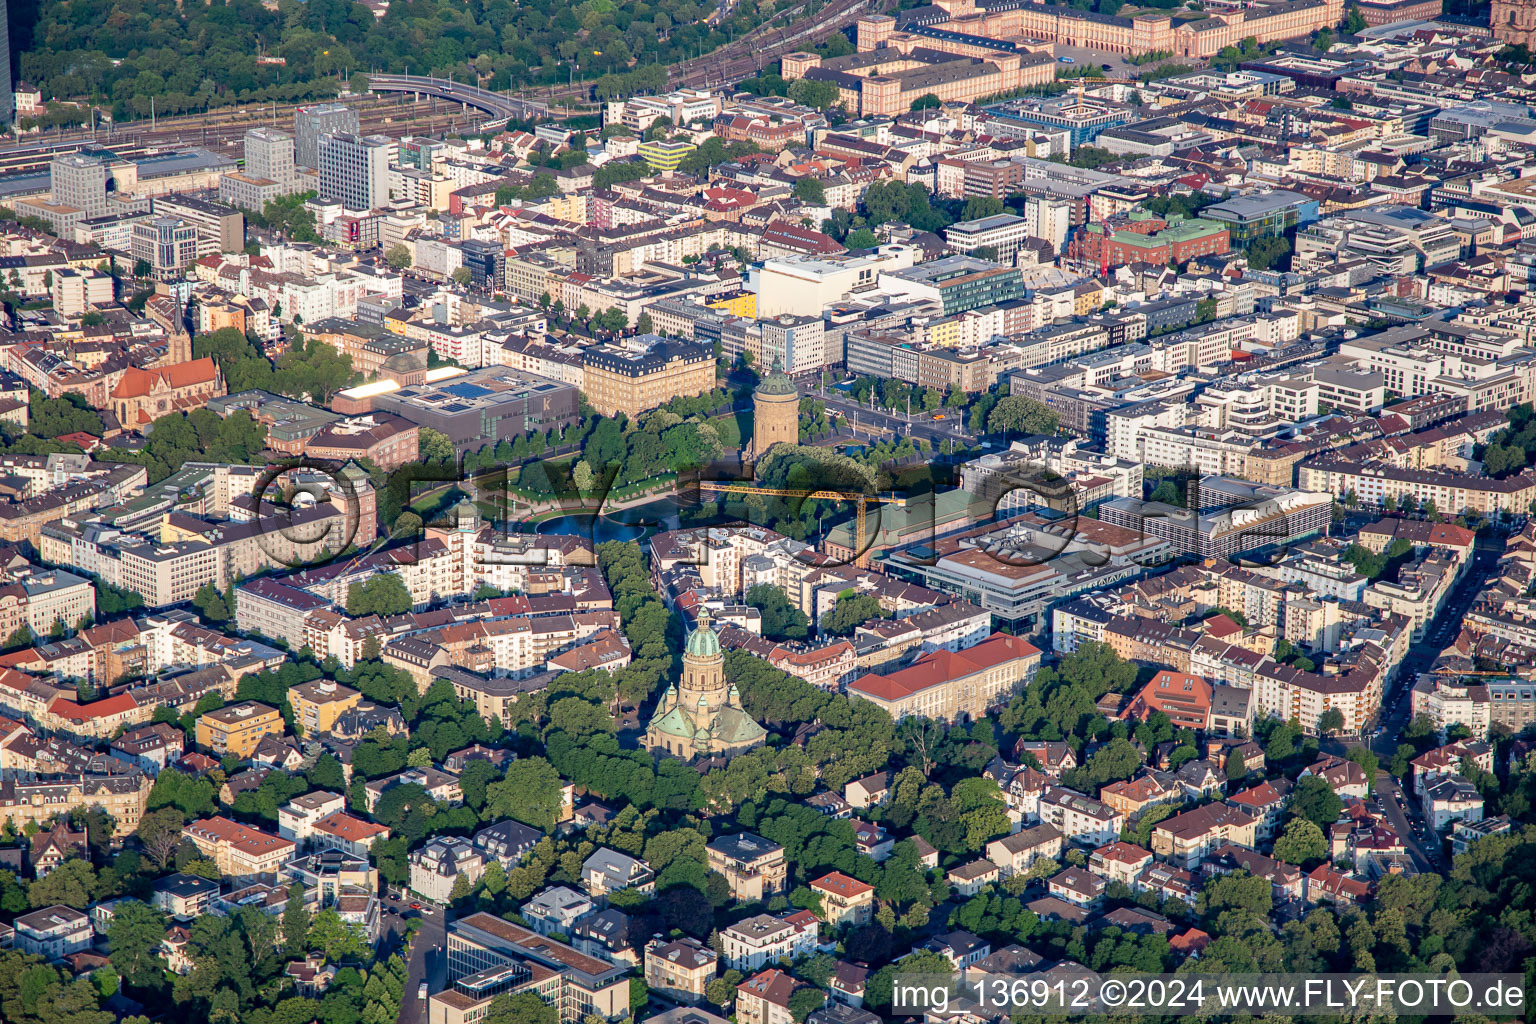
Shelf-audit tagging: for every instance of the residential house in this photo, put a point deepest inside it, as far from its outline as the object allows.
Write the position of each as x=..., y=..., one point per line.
x=753, y=866
x=960, y=948
x=1451, y=798
x=608, y=871
x=1080, y=818
x=438, y=866
x=1185, y=839
x=764, y=998
x=871, y=841
x=870, y=791
x=679, y=969
x=1344, y=777
x=507, y=842
x=969, y=879
x=1119, y=862
x=1077, y=885
x=1017, y=853
x=844, y=900
x=1266, y=802
x=556, y=910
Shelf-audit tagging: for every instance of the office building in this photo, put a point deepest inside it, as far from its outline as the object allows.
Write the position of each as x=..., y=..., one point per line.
x=485, y=406
x=663, y=155
x=1263, y=214
x=644, y=372
x=7, y=99
x=312, y=121
x=268, y=173
x=486, y=263
x=354, y=169
x=168, y=244
x=957, y=283
x=998, y=237
x=269, y=154
x=488, y=956
x=81, y=180
x=219, y=228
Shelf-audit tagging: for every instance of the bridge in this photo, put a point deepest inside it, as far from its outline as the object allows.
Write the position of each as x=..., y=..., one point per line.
x=500, y=107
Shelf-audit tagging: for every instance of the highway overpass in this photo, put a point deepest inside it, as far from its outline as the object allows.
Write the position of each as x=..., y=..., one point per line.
x=500, y=107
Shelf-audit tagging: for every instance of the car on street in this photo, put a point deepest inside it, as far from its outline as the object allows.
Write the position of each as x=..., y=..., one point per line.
x=415, y=906
x=1066, y=60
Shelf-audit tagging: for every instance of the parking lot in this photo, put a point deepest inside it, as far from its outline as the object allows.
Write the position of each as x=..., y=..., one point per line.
x=1084, y=57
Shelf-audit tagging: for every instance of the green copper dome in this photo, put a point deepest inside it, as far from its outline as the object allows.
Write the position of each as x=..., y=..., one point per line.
x=776, y=383
x=702, y=642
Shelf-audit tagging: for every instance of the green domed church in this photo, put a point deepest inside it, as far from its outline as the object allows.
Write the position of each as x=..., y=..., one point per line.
x=702, y=716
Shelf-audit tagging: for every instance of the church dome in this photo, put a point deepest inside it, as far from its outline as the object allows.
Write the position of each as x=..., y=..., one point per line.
x=703, y=642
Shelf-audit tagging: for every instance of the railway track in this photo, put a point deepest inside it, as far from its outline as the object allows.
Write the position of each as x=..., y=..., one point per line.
x=223, y=130
x=225, y=133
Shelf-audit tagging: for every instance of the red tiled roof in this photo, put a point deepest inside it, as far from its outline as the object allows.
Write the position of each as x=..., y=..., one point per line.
x=938, y=667
x=840, y=884
x=136, y=382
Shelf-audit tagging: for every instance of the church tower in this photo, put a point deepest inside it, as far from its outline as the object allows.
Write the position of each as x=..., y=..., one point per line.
x=702, y=716
x=1514, y=21
x=775, y=413
x=703, y=683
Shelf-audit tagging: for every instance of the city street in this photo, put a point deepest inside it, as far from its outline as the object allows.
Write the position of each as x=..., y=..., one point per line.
x=1400, y=806
x=922, y=425
x=428, y=959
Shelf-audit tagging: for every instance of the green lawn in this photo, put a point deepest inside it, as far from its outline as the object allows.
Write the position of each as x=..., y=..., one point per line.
x=733, y=428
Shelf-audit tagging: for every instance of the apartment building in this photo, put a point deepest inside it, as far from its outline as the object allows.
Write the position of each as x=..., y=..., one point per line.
x=1078, y=817
x=679, y=969
x=844, y=900
x=239, y=852
x=1187, y=839
x=296, y=819
x=236, y=730
x=1016, y=854
x=764, y=998
x=753, y=866
x=54, y=932
x=35, y=798
x=750, y=944
x=317, y=704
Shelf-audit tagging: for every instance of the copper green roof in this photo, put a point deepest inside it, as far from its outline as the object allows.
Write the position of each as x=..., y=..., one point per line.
x=703, y=642
x=776, y=383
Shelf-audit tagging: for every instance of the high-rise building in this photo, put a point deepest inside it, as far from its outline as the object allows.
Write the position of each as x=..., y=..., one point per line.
x=7, y=99
x=268, y=172
x=311, y=122
x=355, y=169
x=269, y=154
x=80, y=180
x=167, y=244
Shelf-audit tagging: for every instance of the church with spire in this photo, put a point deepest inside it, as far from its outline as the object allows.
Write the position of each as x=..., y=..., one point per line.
x=702, y=716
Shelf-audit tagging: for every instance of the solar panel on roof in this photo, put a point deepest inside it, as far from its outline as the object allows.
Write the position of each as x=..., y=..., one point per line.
x=467, y=391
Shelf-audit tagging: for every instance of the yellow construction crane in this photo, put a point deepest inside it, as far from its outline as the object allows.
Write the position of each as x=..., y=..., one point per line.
x=860, y=499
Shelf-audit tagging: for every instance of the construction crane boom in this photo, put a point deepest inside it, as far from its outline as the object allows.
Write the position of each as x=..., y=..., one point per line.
x=860, y=499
